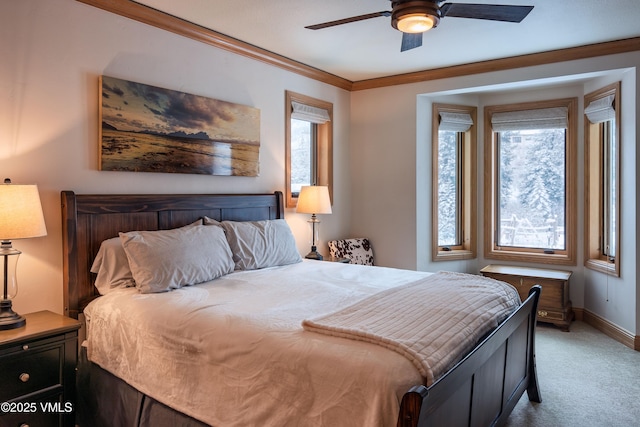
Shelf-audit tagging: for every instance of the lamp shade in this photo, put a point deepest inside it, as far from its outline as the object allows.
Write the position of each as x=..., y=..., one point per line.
x=314, y=199
x=21, y=214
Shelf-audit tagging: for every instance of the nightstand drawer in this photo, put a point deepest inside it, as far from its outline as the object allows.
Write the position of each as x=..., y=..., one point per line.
x=31, y=370
x=31, y=412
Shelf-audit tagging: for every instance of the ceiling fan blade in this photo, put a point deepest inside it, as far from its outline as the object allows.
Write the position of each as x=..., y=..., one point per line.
x=348, y=20
x=411, y=41
x=493, y=12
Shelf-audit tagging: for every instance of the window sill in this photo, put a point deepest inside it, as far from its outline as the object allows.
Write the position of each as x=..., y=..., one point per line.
x=603, y=266
x=453, y=255
x=539, y=258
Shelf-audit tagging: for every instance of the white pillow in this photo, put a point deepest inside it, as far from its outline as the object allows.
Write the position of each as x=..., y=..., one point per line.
x=112, y=267
x=169, y=259
x=260, y=244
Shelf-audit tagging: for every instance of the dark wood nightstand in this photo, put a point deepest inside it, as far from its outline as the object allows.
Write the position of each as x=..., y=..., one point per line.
x=554, y=305
x=38, y=371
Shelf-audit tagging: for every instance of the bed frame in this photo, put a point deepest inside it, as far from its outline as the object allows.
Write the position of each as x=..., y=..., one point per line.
x=481, y=390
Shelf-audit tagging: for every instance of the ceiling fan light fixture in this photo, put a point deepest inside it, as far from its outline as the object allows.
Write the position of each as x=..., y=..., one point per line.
x=415, y=16
x=416, y=23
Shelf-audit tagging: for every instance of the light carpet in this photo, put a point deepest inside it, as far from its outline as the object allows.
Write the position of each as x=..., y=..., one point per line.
x=586, y=378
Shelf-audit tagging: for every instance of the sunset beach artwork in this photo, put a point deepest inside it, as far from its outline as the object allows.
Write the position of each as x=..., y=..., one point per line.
x=150, y=129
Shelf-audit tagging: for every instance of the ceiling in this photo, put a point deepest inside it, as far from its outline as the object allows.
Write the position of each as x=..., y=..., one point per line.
x=371, y=49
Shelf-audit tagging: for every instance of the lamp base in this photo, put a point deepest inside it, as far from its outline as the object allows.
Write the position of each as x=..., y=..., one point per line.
x=9, y=319
x=314, y=254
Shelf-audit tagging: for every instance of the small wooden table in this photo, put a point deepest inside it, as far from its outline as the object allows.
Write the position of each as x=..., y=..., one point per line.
x=38, y=374
x=554, y=305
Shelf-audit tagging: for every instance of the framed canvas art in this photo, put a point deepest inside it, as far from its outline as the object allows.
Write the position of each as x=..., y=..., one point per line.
x=145, y=128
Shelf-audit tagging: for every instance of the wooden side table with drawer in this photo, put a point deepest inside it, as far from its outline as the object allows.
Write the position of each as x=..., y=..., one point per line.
x=38, y=371
x=554, y=305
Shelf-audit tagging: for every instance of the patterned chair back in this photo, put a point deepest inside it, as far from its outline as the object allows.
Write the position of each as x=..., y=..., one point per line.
x=357, y=250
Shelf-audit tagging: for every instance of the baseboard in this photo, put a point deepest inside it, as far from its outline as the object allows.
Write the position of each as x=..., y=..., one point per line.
x=611, y=330
x=578, y=313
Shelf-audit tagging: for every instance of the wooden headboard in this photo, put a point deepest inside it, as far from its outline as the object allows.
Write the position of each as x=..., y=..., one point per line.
x=87, y=220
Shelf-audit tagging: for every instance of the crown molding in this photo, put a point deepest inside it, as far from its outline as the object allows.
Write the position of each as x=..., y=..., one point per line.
x=549, y=57
x=147, y=15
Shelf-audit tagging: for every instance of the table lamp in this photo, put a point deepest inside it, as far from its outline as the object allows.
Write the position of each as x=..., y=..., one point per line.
x=20, y=218
x=314, y=199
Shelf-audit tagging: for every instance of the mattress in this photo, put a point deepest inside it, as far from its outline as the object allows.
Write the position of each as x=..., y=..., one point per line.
x=232, y=352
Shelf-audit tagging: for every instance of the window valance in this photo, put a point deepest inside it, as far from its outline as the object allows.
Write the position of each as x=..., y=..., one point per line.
x=544, y=118
x=308, y=113
x=456, y=122
x=601, y=110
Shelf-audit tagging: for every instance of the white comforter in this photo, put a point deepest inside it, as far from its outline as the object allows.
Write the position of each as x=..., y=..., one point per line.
x=232, y=352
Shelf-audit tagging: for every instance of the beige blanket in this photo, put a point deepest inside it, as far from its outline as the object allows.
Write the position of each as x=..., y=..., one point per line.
x=433, y=322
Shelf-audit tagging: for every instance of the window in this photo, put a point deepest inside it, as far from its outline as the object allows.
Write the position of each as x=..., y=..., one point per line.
x=602, y=180
x=309, y=144
x=530, y=182
x=454, y=182
x=304, y=142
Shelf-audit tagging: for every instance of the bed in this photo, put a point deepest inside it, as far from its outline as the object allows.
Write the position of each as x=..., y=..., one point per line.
x=480, y=388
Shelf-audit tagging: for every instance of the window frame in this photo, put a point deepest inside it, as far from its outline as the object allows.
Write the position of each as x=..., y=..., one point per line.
x=323, y=155
x=595, y=186
x=467, y=181
x=532, y=255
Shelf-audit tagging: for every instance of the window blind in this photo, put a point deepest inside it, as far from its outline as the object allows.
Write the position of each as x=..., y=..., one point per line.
x=456, y=122
x=601, y=110
x=544, y=118
x=308, y=113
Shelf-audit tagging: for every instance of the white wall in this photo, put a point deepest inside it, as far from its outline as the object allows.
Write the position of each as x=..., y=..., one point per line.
x=391, y=181
x=383, y=174
x=53, y=52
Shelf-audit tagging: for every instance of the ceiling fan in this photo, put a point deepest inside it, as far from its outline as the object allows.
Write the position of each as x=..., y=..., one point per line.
x=414, y=17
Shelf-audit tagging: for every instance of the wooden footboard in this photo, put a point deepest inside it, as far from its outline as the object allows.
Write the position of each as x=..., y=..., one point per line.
x=483, y=388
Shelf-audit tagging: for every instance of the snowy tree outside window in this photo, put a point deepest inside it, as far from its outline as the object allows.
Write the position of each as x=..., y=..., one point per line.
x=448, y=188
x=532, y=195
x=301, y=154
